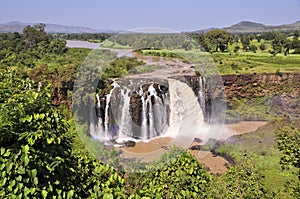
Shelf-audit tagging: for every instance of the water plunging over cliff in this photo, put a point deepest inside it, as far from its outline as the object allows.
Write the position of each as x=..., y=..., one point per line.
x=149, y=110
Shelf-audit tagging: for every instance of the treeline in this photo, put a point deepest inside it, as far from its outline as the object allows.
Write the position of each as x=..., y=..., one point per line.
x=212, y=41
x=219, y=40
x=33, y=43
x=91, y=37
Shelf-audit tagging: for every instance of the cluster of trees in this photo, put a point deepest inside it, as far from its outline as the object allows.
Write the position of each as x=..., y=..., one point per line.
x=120, y=67
x=219, y=40
x=155, y=41
x=212, y=41
x=43, y=58
x=92, y=37
x=22, y=49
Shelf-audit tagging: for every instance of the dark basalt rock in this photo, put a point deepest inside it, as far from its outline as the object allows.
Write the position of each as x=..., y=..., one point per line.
x=196, y=147
x=129, y=144
x=198, y=140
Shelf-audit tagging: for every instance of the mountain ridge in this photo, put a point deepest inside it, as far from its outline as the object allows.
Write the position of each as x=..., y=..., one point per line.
x=16, y=26
x=255, y=27
x=240, y=27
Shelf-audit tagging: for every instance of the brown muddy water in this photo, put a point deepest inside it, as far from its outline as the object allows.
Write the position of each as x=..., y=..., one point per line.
x=153, y=149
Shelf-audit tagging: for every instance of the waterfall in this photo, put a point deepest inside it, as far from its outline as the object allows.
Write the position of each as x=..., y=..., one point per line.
x=186, y=116
x=153, y=113
x=96, y=127
x=149, y=111
x=98, y=100
x=124, y=121
x=201, y=94
x=144, y=114
x=107, y=115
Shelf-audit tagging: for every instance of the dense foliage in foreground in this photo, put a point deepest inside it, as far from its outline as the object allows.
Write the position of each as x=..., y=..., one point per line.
x=37, y=158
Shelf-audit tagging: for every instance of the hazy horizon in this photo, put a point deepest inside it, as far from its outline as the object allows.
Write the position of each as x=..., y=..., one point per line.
x=176, y=15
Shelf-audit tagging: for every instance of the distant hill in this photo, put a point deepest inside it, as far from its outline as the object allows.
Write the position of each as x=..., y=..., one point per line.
x=249, y=27
x=241, y=27
x=15, y=26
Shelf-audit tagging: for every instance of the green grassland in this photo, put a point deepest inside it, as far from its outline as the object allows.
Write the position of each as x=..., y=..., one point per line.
x=261, y=148
x=249, y=63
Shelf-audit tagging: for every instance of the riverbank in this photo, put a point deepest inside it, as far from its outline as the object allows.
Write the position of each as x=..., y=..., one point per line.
x=153, y=149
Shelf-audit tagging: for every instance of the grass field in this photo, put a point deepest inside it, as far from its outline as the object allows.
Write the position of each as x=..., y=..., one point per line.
x=260, y=147
x=256, y=63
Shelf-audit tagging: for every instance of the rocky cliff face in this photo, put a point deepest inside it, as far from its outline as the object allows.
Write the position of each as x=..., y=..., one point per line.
x=279, y=93
x=258, y=85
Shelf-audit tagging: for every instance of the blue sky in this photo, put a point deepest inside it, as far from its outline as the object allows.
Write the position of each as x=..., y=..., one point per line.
x=172, y=14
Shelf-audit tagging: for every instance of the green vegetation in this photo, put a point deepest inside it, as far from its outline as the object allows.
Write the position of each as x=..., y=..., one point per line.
x=120, y=67
x=37, y=155
x=160, y=53
x=256, y=63
x=96, y=37
x=181, y=176
x=260, y=147
x=244, y=180
x=288, y=142
x=23, y=49
x=110, y=44
x=217, y=40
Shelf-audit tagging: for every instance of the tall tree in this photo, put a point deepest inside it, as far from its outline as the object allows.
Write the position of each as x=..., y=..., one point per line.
x=277, y=44
x=245, y=42
x=296, y=34
x=35, y=34
x=217, y=39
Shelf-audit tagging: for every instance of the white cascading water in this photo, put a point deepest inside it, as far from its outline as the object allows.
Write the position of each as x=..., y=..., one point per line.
x=176, y=113
x=186, y=117
x=96, y=130
x=106, y=118
x=201, y=93
x=154, y=115
x=144, y=114
x=124, y=122
x=98, y=100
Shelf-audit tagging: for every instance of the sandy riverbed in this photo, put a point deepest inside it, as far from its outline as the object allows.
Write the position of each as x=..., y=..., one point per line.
x=153, y=149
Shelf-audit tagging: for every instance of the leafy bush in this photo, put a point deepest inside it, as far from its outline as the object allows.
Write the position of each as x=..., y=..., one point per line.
x=179, y=177
x=288, y=142
x=241, y=181
x=36, y=156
